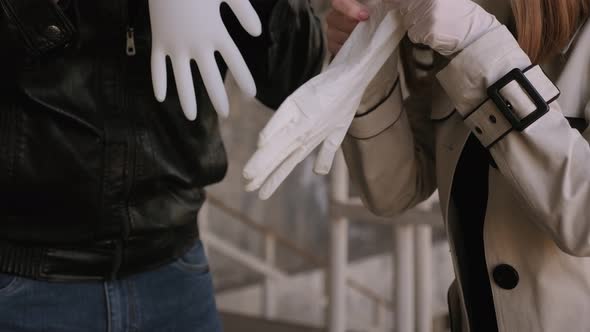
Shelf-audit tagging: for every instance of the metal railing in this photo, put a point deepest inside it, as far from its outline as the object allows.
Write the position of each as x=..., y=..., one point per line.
x=267, y=267
x=412, y=261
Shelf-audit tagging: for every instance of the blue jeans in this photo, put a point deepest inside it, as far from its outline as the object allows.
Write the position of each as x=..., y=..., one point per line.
x=177, y=297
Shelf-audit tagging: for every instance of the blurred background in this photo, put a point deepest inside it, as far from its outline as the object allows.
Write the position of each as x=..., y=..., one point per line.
x=312, y=258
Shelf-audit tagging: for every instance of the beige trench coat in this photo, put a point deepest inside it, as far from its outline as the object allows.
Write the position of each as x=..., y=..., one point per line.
x=537, y=224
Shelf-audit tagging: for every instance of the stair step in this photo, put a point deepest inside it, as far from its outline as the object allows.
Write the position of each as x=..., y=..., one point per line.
x=242, y=323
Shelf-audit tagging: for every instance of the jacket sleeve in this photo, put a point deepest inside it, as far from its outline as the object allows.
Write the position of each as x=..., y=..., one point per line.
x=289, y=52
x=548, y=163
x=390, y=148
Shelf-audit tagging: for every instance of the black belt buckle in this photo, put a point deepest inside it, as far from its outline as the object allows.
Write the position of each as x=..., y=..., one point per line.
x=504, y=107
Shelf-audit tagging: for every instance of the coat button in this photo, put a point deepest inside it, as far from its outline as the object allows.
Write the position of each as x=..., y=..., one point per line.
x=506, y=276
x=53, y=33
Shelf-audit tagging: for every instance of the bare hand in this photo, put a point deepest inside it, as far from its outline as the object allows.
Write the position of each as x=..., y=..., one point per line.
x=351, y=9
x=341, y=20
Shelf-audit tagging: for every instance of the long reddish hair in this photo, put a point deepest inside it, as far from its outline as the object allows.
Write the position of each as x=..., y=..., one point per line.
x=544, y=27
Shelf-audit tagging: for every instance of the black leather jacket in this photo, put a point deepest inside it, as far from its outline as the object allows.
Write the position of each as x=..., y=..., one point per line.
x=97, y=179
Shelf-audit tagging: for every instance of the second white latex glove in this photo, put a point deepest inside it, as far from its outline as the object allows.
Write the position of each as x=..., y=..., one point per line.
x=187, y=30
x=447, y=26
x=322, y=110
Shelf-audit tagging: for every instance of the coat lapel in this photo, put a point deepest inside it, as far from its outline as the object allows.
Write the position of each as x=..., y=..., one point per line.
x=573, y=81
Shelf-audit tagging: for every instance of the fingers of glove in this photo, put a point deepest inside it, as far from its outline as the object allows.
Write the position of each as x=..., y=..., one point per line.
x=328, y=151
x=414, y=11
x=213, y=83
x=421, y=34
x=352, y=9
x=238, y=67
x=247, y=16
x=185, y=86
x=406, y=6
x=265, y=161
x=159, y=74
x=439, y=36
x=279, y=176
x=421, y=24
x=283, y=119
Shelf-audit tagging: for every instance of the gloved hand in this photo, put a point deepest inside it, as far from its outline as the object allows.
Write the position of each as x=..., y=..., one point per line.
x=188, y=30
x=321, y=111
x=447, y=26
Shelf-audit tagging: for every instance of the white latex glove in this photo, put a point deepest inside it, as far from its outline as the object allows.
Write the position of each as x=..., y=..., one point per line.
x=322, y=110
x=447, y=26
x=188, y=30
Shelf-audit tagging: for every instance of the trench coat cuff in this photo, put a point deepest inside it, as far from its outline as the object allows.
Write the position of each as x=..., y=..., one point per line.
x=495, y=88
x=518, y=101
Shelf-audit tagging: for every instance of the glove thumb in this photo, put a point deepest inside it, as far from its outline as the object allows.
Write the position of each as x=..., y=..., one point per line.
x=323, y=163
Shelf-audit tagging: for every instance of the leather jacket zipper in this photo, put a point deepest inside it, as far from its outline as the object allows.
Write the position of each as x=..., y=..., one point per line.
x=130, y=49
x=132, y=11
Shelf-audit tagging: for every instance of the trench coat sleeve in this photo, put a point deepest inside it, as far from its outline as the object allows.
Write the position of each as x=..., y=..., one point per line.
x=547, y=164
x=389, y=148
